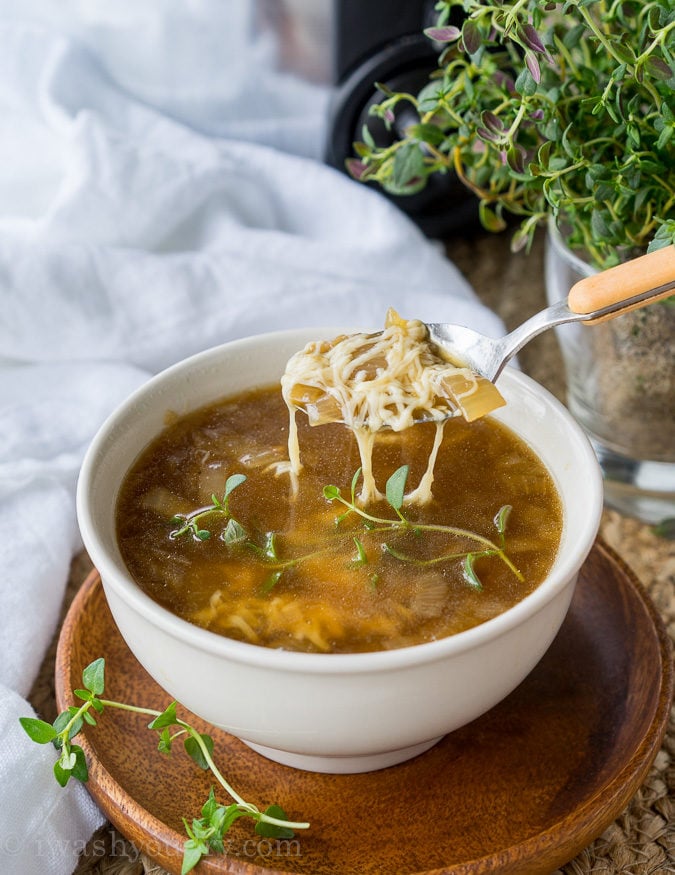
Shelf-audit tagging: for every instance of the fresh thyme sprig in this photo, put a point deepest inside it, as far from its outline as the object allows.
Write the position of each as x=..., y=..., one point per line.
x=191, y=522
x=205, y=834
x=395, y=495
x=235, y=534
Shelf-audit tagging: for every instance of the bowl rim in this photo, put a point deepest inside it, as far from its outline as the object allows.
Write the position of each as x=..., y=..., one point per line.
x=280, y=660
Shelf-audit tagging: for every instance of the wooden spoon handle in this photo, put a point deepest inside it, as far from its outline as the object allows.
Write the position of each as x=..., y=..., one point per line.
x=654, y=271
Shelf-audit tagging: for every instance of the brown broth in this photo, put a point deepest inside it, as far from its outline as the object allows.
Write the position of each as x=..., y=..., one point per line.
x=330, y=601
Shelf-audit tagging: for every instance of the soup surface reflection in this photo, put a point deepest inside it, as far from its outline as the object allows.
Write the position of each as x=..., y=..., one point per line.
x=317, y=571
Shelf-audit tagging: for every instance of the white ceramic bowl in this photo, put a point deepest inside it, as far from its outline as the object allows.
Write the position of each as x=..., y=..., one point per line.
x=332, y=712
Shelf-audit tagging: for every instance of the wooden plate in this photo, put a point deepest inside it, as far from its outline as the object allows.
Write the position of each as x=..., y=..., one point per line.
x=522, y=789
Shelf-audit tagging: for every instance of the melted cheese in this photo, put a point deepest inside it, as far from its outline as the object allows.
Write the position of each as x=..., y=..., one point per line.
x=392, y=379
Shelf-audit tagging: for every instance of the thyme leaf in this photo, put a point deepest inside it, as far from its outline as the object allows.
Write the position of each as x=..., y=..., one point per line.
x=361, y=555
x=395, y=488
x=469, y=571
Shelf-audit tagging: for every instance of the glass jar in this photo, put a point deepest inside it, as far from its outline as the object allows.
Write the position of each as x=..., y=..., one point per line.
x=621, y=388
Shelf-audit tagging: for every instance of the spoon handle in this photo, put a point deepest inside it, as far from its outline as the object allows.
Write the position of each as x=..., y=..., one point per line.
x=625, y=287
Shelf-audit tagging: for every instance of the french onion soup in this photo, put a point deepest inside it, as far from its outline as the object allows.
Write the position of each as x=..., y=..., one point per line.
x=354, y=536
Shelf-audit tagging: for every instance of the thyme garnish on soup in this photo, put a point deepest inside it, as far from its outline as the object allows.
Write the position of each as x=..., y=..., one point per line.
x=374, y=531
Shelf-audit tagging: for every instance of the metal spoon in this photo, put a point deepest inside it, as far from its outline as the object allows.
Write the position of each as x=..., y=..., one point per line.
x=593, y=299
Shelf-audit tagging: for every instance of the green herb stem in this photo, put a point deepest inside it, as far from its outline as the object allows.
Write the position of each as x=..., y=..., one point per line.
x=592, y=24
x=136, y=709
x=185, y=728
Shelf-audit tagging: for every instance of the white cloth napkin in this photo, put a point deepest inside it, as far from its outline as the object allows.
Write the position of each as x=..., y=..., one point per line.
x=161, y=191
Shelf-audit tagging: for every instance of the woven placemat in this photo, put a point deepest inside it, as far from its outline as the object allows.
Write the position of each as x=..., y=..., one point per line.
x=639, y=842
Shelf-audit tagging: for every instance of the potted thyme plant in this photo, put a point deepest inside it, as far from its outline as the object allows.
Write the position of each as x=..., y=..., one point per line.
x=563, y=114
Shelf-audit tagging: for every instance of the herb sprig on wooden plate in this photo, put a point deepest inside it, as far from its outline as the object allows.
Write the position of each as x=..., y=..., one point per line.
x=205, y=833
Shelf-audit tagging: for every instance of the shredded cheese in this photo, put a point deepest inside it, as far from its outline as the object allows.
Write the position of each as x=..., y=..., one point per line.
x=392, y=379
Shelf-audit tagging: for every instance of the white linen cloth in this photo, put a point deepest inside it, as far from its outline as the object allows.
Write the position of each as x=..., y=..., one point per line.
x=161, y=191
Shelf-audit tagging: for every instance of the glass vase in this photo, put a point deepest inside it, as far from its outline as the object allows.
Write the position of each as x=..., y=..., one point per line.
x=621, y=388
